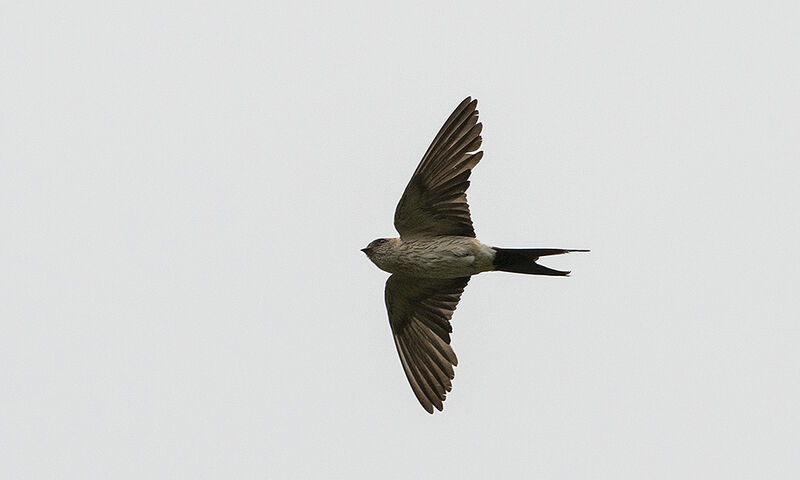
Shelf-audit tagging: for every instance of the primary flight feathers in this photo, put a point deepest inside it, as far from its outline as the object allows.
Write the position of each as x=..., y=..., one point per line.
x=434, y=202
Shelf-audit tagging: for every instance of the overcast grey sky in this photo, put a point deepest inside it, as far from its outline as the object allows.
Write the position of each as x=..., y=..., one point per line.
x=185, y=187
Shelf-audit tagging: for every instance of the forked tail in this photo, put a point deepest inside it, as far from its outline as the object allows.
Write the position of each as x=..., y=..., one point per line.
x=523, y=260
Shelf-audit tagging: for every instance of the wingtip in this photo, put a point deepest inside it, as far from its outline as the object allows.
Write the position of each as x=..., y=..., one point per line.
x=468, y=103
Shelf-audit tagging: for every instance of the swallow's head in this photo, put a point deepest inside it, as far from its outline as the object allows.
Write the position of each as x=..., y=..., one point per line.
x=375, y=247
x=383, y=253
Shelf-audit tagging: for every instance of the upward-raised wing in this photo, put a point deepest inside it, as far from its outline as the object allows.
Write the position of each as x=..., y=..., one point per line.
x=435, y=200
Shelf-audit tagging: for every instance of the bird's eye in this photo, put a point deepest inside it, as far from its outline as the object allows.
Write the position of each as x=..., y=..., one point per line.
x=381, y=240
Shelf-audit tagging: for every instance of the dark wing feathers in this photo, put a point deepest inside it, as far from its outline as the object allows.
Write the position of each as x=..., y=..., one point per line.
x=434, y=202
x=441, y=140
x=419, y=314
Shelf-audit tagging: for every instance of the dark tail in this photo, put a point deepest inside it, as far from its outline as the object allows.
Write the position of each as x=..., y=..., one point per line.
x=523, y=260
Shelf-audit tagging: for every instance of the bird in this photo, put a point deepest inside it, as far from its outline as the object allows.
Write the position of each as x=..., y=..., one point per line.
x=437, y=253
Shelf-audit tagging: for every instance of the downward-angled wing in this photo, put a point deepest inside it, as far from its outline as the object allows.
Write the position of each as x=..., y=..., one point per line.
x=434, y=202
x=419, y=313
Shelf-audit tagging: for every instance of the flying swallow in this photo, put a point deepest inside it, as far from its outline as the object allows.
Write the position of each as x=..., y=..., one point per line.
x=436, y=255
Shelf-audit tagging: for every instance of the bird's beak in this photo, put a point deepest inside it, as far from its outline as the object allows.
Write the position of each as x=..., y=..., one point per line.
x=365, y=250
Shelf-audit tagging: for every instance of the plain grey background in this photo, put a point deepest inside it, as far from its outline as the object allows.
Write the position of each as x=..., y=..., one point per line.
x=185, y=187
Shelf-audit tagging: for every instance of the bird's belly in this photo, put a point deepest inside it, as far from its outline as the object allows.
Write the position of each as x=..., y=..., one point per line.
x=442, y=258
x=436, y=265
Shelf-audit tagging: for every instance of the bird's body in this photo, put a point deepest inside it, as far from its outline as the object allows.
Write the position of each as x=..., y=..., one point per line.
x=436, y=255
